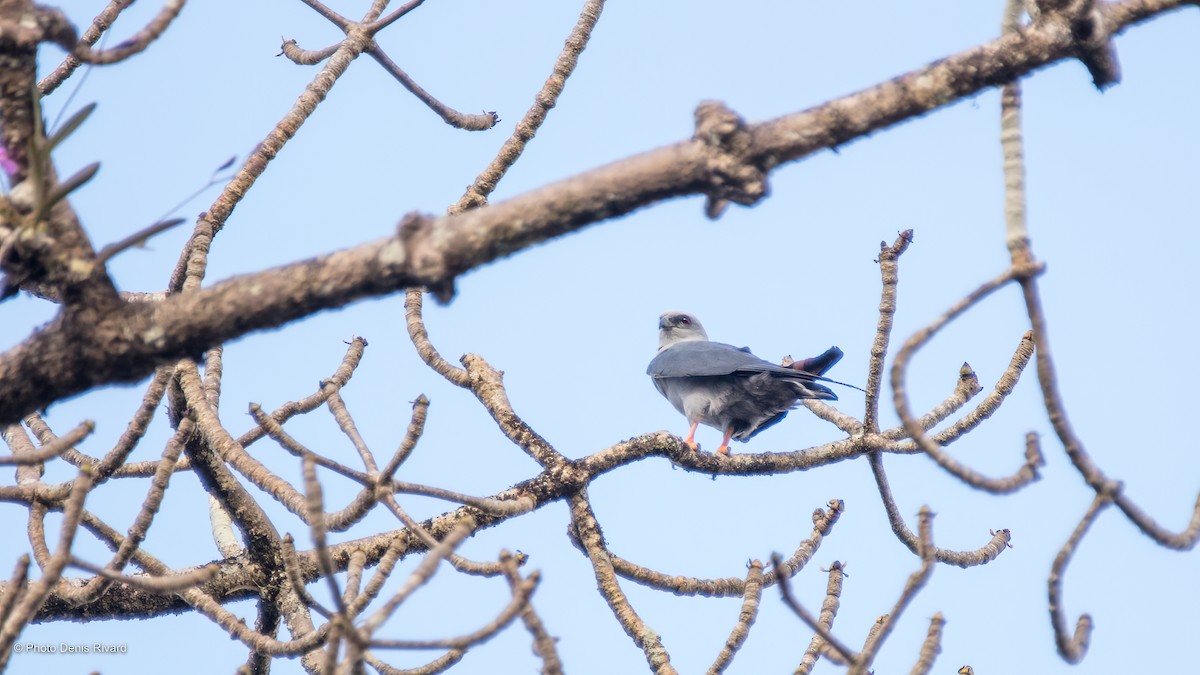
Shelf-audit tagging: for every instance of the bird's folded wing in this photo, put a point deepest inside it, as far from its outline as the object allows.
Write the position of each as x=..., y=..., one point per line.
x=707, y=359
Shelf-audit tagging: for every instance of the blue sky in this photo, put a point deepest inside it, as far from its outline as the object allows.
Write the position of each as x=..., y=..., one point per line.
x=1112, y=198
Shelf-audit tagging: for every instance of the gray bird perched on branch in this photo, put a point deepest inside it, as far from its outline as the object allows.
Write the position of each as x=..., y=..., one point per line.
x=728, y=388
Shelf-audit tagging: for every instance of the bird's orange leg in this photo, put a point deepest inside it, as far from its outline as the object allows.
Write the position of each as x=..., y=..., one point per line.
x=724, y=449
x=690, y=441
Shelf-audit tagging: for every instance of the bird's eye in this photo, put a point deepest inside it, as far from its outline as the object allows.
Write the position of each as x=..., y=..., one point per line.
x=684, y=320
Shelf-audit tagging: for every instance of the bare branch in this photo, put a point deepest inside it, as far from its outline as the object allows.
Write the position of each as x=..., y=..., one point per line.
x=137, y=532
x=416, y=426
x=439, y=665
x=168, y=584
x=543, y=642
x=209, y=459
x=829, y=608
x=889, y=270
x=51, y=449
x=190, y=269
x=419, y=577
x=1089, y=21
x=101, y=23
x=333, y=17
x=587, y=529
x=750, y=603
x=16, y=588
x=420, y=339
x=339, y=379
x=460, y=563
x=208, y=606
x=467, y=122
x=1028, y=471
x=23, y=610
x=285, y=440
x=437, y=252
x=728, y=587
x=291, y=565
x=981, y=556
x=821, y=630
x=477, y=194
x=346, y=423
x=965, y=389
x=396, y=14
x=511, y=611
x=487, y=384
x=305, y=57
x=315, y=500
x=134, y=45
x=931, y=647
x=1073, y=648
x=915, y=583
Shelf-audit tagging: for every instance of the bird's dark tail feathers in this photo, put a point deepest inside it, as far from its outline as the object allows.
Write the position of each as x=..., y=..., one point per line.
x=817, y=366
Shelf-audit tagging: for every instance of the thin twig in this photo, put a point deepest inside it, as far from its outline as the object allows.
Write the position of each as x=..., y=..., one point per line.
x=419, y=577
x=460, y=563
x=586, y=527
x=543, y=642
x=439, y=665
x=416, y=427
x=506, y=615
x=315, y=498
x=291, y=565
x=141, y=524
x=931, y=647
x=346, y=423
x=981, y=556
x=915, y=583
x=192, y=262
x=488, y=386
x=465, y=121
x=1073, y=647
x=888, y=270
x=287, y=442
x=333, y=17
x=785, y=590
x=293, y=52
x=420, y=337
x=52, y=570
x=400, y=11
x=1027, y=473
x=741, y=629
x=52, y=449
x=829, y=608
x=100, y=24
x=16, y=587
x=477, y=193
x=728, y=587
x=134, y=45
x=151, y=584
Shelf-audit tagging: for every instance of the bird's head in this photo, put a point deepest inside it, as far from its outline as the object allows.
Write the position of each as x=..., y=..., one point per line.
x=675, y=327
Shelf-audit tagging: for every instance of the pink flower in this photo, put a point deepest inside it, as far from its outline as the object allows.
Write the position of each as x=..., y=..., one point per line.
x=10, y=167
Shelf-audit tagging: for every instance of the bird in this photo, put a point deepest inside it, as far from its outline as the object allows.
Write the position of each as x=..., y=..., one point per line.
x=729, y=388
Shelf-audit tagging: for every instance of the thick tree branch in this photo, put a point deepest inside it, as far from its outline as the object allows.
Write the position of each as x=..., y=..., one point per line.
x=727, y=161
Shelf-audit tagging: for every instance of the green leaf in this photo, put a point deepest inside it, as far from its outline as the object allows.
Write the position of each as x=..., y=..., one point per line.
x=67, y=187
x=69, y=126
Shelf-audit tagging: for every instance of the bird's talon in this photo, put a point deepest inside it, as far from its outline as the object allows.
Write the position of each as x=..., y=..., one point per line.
x=724, y=450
